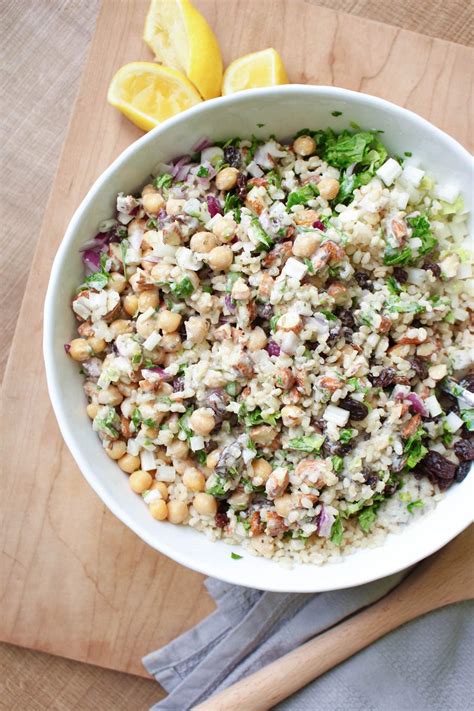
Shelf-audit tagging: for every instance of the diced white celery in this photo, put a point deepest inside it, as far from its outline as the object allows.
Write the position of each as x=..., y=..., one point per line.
x=415, y=243
x=294, y=269
x=453, y=422
x=464, y=271
x=186, y=259
x=151, y=495
x=447, y=192
x=152, y=341
x=412, y=175
x=434, y=408
x=196, y=443
x=212, y=154
x=401, y=199
x=289, y=343
x=416, y=276
x=389, y=171
x=147, y=460
x=336, y=415
x=165, y=473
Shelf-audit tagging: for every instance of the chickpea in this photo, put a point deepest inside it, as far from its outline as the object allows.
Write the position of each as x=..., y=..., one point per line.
x=291, y=415
x=116, y=449
x=119, y=327
x=261, y=468
x=212, y=459
x=117, y=282
x=168, y=321
x=304, y=145
x=161, y=272
x=110, y=396
x=171, y=342
x=220, y=258
x=148, y=299
x=150, y=432
x=182, y=464
x=263, y=434
x=257, y=339
x=97, y=344
x=128, y=463
x=152, y=203
x=193, y=479
x=328, y=188
x=148, y=188
x=203, y=242
x=196, y=329
x=283, y=505
x=226, y=178
x=305, y=217
x=162, y=488
x=177, y=511
x=205, y=504
x=178, y=448
x=159, y=510
x=130, y=304
x=92, y=410
x=224, y=228
x=147, y=327
x=305, y=244
x=140, y=481
x=202, y=421
x=80, y=349
x=174, y=207
x=240, y=290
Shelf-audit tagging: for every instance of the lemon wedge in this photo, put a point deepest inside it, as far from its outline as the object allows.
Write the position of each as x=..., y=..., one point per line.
x=263, y=68
x=148, y=93
x=181, y=38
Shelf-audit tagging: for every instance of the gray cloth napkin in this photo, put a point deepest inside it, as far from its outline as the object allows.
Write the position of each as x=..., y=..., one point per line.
x=426, y=664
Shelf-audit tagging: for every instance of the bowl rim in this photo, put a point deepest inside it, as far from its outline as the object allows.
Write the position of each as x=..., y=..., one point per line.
x=366, y=575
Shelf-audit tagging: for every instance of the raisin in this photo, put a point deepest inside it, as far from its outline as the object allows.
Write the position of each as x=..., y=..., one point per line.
x=346, y=317
x=420, y=367
x=241, y=187
x=232, y=156
x=338, y=449
x=462, y=471
x=468, y=382
x=370, y=479
x=264, y=311
x=464, y=450
x=358, y=411
x=221, y=520
x=391, y=487
x=362, y=278
x=400, y=275
x=416, y=323
x=435, y=268
x=437, y=467
x=386, y=378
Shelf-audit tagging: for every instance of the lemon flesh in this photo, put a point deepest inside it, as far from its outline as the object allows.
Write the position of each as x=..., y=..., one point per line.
x=181, y=38
x=264, y=68
x=148, y=93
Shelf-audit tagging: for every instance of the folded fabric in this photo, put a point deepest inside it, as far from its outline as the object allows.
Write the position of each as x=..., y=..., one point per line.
x=423, y=665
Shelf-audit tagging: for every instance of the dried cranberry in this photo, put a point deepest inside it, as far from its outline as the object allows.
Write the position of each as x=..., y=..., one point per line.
x=362, y=278
x=400, y=275
x=370, y=479
x=241, y=187
x=319, y=225
x=233, y=156
x=273, y=348
x=468, y=382
x=435, y=268
x=346, y=317
x=420, y=367
x=462, y=471
x=436, y=467
x=358, y=411
x=386, y=378
x=464, y=450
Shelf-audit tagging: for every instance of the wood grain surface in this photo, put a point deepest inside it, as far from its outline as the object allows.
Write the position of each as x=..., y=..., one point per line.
x=74, y=581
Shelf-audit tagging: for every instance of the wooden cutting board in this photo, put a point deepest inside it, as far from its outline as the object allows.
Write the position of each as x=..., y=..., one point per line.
x=75, y=582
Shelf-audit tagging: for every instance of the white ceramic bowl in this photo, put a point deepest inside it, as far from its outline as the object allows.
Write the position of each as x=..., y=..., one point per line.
x=283, y=110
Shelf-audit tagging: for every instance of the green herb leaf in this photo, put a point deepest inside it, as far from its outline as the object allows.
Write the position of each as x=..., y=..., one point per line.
x=421, y=228
x=309, y=264
x=467, y=416
x=346, y=435
x=415, y=505
x=393, y=285
x=367, y=518
x=308, y=443
x=414, y=448
x=202, y=172
x=337, y=464
x=394, y=256
x=232, y=277
x=163, y=182
x=336, y=113
x=235, y=556
x=184, y=289
x=337, y=531
x=302, y=196
x=201, y=456
x=264, y=239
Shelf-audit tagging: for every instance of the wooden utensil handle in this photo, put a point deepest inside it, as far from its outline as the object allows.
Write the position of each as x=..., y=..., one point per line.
x=276, y=681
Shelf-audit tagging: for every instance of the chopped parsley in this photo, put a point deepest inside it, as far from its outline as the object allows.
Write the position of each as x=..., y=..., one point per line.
x=163, y=182
x=415, y=505
x=467, y=416
x=336, y=113
x=235, y=556
x=182, y=289
x=346, y=435
x=265, y=240
x=302, y=196
x=98, y=280
x=255, y=417
x=337, y=531
x=308, y=443
x=337, y=464
x=202, y=172
x=309, y=264
x=414, y=448
x=421, y=229
x=367, y=518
